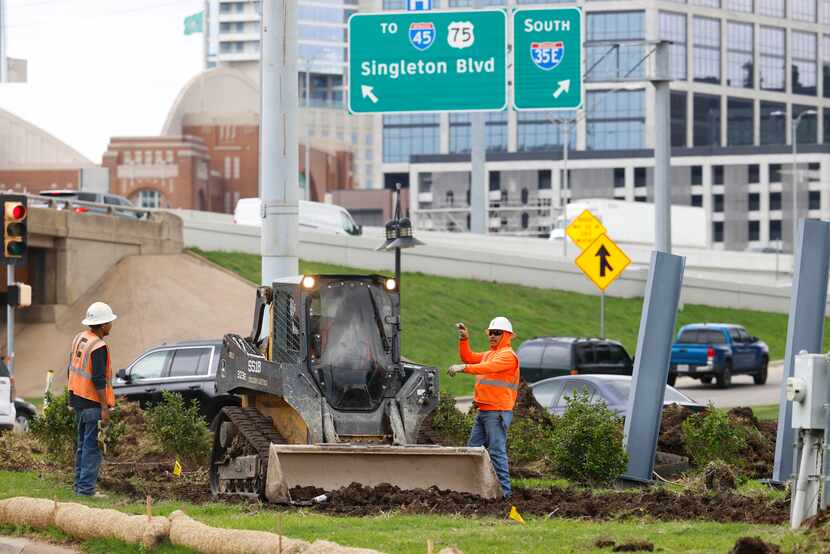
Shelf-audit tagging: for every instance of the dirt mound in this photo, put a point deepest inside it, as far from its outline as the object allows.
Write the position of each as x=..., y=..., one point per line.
x=660, y=504
x=717, y=476
x=138, y=480
x=528, y=408
x=754, y=545
x=634, y=546
x=17, y=452
x=758, y=455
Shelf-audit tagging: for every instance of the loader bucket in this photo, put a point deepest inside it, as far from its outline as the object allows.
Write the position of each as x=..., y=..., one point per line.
x=332, y=466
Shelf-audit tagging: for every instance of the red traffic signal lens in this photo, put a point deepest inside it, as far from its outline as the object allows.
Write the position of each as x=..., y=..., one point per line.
x=15, y=210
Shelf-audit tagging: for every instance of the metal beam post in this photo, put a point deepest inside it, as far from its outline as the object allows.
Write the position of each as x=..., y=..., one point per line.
x=479, y=188
x=10, y=322
x=279, y=151
x=651, y=367
x=805, y=328
x=662, y=167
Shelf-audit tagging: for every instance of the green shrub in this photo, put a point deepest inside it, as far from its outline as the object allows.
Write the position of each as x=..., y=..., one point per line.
x=709, y=436
x=54, y=428
x=587, y=442
x=450, y=426
x=529, y=441
x=177, y=428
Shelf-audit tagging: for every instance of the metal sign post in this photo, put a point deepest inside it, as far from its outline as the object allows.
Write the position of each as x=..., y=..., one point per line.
x=805, y=327
x=651, y=366
x=602, y=314
x=10, y=322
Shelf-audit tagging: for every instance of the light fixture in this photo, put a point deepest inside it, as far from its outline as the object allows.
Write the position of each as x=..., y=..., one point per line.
x=309, y=282
x=391, y=284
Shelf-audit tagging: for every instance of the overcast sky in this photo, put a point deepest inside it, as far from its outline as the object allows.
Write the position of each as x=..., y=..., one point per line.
x=100, y=68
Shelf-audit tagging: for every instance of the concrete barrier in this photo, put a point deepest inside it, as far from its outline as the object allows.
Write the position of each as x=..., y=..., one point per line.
x=505, y=261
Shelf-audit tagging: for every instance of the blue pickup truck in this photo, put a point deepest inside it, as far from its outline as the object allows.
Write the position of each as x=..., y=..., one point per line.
x=708, y=351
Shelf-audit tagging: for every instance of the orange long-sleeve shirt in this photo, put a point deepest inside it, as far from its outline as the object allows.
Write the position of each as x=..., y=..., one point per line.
x=497, y=374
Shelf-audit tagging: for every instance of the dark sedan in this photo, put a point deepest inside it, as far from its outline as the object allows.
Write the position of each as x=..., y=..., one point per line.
x=612, y=389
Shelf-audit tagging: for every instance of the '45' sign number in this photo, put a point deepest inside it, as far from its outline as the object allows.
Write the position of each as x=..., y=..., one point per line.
x=421, y=35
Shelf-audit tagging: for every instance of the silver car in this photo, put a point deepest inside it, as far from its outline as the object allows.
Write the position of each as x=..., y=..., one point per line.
x=612, y=389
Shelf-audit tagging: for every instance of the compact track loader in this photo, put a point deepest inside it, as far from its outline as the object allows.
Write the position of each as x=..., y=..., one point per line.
x=326, y=399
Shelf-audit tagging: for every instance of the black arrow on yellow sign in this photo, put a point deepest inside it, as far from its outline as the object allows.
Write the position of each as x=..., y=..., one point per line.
x=603, y=260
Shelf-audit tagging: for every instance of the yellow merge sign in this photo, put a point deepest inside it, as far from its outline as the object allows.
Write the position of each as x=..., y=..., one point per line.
x=602, y=261
x=585, y=229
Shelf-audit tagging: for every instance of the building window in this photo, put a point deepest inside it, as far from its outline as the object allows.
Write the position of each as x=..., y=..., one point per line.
x=803, y=10
x=754, y=173
x=128, y=159
x=410, y=135
x=814, y=200
x=717, y=203
x=624, y=60
x=717, y=231
x=739, y=121
x=236, y=167
x=545, y=176
x=149, y=199
x=825, y=113
x=461, y=132
x=775, y=229
x=772, y=8
x=774, y=173
x=706, y=50
x=673, y=28
x=825, y=12
x=754, y=230
x=678, y=118
x=744, y=6
x=617, y=122
x=774, y=201
x=536, y=131
x=228, y=167
x=697, y=200
x=740, y=47
x=706, y=120
x=808, y=128
x=639, y=176
x=495, y=180
x=707, y=3
x=773, y=127
x=697, y=175
x=804, y=62
x=825, y=64
x=773, y=57
x=717, y=174
x=754, y=201
x=619, y=177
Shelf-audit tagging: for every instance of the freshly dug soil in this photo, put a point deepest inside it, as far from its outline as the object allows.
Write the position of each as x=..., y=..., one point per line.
x=659, y=504
x=717, y=476
x=754, y=545
x=757, y=456
x=634, y=546
x=138, y=480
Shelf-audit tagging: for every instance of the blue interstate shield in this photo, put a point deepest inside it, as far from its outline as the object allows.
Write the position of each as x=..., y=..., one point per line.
x=546, y=55
x=421, y=35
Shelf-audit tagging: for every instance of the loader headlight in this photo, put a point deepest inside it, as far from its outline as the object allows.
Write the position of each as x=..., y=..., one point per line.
x=391, y=284
x=309, y=282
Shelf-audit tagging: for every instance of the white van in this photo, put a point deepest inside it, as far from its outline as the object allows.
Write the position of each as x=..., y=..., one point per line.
x=313, y=215
x=7, y=411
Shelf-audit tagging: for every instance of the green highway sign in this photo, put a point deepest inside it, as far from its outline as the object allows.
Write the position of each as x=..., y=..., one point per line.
x=427, y=61
x=547, y=59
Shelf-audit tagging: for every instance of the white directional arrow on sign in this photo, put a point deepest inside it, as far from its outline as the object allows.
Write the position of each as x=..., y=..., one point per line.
x=366, y=91
x=564, y=86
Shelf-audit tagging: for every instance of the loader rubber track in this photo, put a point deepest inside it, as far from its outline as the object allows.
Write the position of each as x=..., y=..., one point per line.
x=258, y=432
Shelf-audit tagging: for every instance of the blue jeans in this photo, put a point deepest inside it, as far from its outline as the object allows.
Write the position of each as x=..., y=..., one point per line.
x=87, y=453
x=490, y=431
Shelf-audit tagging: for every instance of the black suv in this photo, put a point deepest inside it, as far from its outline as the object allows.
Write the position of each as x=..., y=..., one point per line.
x=188, y=368
x=544, y=357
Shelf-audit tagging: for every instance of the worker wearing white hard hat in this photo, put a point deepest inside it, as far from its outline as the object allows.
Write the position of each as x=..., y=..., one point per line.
x=496, y=388
x=90, y=393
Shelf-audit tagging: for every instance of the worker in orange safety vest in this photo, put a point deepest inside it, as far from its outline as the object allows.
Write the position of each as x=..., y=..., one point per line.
x=90, y=393
x=497, y=384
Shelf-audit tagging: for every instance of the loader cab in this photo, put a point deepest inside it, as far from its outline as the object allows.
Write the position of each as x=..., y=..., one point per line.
x=342, y=330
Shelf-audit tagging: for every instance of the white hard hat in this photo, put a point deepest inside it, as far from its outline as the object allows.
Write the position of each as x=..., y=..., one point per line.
x=500, y=324
x=99, y=313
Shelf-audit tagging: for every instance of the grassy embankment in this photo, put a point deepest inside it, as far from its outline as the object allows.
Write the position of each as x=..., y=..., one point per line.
x=404, y=534
x=431, y=305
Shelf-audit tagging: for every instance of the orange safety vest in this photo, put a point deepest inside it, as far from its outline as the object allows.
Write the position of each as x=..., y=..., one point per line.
x=80, y=368
x=497, y=391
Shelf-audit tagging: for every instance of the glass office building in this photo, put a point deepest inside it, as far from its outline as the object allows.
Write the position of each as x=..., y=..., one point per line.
x=742, y=71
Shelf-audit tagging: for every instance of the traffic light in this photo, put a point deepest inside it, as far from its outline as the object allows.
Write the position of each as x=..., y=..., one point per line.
x=15, y=233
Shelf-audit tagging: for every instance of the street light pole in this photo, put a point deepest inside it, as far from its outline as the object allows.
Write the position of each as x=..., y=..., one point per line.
x=306, y=124
x=795, y=123
x=565, y=186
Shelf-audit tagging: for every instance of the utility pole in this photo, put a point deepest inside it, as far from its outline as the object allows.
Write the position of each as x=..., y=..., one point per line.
x=662, y=151
x=4, y=63
x=479, y=188
x=565, y=194
x=278, y=146
x=306, y=125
